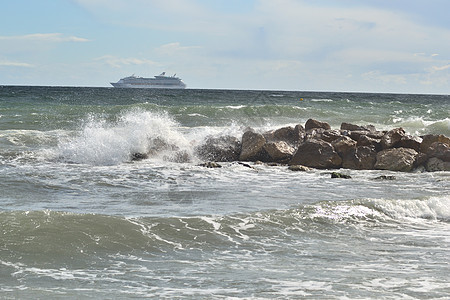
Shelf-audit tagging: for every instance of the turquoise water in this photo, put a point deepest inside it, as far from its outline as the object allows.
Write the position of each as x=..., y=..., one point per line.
x=79, y=218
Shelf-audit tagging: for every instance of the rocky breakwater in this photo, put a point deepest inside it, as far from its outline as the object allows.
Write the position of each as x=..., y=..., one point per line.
x=317, y=145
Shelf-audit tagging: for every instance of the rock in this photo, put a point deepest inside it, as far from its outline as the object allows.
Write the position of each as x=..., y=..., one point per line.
x=435, y=164
x=138, y=156
x=385, y=177
x=396, y=159
x=429, y=139
x=330, y=135
x=343, y=145
x=252, y=146
x=340, y=175
x=409, y=141
x=210, y=164
x=352, y=127
x=316, y=154
x=278, y=151
x=297, y=168
x=365, y=140
x=439, y=150
x=224, y=148
x=245, y=165
x=392, y=137
x=360, y=158
x=289, y=134
x=311, y=124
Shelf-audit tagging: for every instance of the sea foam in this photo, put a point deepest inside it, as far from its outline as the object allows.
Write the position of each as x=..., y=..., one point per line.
x=103, y=142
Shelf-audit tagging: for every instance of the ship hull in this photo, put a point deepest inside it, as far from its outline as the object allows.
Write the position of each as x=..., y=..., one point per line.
x=145, y=86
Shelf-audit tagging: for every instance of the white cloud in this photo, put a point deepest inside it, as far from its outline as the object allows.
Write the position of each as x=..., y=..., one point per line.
x=6, y=63
x=118, y=62
x=45, y=37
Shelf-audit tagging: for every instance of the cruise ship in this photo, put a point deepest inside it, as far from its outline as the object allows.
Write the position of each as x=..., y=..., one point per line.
x=160, y=81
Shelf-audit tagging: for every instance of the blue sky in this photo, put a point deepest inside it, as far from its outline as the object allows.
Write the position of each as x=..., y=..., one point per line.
x=322, y=45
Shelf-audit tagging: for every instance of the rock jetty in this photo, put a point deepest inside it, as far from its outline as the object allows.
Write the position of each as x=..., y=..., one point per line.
x=317, y=145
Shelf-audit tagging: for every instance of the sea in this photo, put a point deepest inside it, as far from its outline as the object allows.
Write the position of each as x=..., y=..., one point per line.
x=80, y=219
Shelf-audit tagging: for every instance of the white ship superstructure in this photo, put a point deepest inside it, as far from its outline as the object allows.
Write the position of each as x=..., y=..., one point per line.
x=157, y=82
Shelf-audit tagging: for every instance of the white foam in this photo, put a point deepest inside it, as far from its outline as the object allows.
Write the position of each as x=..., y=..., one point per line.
x=103, y=142
x=435, y=208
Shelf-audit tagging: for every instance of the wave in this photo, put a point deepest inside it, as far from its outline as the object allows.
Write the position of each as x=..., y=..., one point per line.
x=63, y=234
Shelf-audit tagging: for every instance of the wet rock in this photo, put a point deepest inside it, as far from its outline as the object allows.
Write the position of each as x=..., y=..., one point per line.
x=360, y=158
x=385, y=177
x=138, y=156
x=316, y=154
x=352, y=127
x=392, y=137
x=287, y=134
x=439, y=150
x=435, y=164
x=340, y=175
x=299, y=168
x=210, y=164
x=409, y=141
x=343, y=145
x=311, y=124
x=429, y=139
x=224, y=148
x=182, y=156
x=330, y=135
x=365, y=140
x=278, y=151
x=396, y=159
x=252, y=146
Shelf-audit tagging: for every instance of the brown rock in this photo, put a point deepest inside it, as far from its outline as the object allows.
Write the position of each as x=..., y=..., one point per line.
x=365, y=140
x=278, y=151
x=299, y=168
x=435, y=164
x=252, y=146
x=288, y=134
x=409, y=141
x=316, y=154
x=392, y=137
x=311, y=124
x=343, y=145
x=224, y=148
x=331, y=135
x=360, y=158
x=352, y=127
x=429, y=139
x=396, y=159
x=439, y=150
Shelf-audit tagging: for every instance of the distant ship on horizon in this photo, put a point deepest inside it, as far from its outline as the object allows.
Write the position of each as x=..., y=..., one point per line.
x=160, y=81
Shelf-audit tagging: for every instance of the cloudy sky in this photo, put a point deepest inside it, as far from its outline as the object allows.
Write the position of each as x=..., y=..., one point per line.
x=317, y=45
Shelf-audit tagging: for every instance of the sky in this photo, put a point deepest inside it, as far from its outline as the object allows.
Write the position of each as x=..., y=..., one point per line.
x=393, y=46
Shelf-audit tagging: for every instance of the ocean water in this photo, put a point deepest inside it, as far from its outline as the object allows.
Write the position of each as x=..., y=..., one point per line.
x=80, y=219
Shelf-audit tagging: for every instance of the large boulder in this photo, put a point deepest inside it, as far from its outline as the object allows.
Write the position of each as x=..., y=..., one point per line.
x=439, y=150
x=435, y=164
x=289, y=134
x=343, y=145
x=352, y=127
x=396, y=159
x=252, y=146
x=392, y=137
x=429, y=139
x=316, y=154
x=224, y=148
x=409, y=141
x=311, y=124
x=365, y=140
x=278, y=151
x=360, y=158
